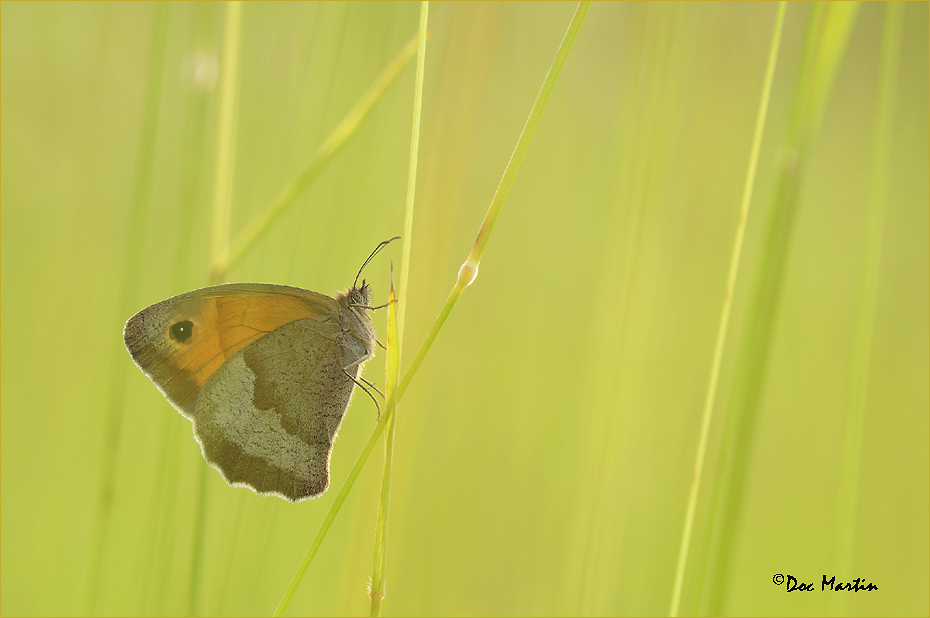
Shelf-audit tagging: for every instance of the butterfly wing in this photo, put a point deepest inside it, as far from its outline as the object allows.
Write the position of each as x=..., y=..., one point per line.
x=268, y=417
x=180, y=342
x=259, y=369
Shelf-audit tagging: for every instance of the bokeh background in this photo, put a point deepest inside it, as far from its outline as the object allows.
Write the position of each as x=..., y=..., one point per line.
x=545, y=450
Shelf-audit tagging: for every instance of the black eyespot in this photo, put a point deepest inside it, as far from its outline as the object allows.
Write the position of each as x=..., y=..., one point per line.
x=182, y=331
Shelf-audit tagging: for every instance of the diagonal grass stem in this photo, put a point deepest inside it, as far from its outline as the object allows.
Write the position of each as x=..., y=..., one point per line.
x=466, y=275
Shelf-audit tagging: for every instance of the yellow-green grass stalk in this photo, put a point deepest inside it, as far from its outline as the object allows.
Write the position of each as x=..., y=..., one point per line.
x=882, y=129
x=162, y=539
x=219, y=240
x=392, y=374
x=600, y=307
x=827, y=32
x=395, y=328
x=723, y=326
x=467, y=274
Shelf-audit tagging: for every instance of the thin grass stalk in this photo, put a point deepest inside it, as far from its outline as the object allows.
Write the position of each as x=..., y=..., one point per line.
x=392, y=374
x=882, y=128
x=395, y=330
x=226, y=137
x=466, y=276
x=132, y=258
x=828, y=28
x=739, y=419
x=164, y=490
x=219, y=242
x=469, y=269
x=412, y=169
x=723, y=326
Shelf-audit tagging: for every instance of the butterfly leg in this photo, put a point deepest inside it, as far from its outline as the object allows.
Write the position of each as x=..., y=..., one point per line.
x=361, y=360
x=374, y=308
x=368, y=392
x=371, y=384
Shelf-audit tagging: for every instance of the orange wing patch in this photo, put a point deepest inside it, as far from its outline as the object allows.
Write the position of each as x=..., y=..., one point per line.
x=179, y=343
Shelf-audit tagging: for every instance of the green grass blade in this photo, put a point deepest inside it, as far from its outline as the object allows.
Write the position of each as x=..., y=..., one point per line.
x=412, y=173
x=392, y=374
x=466, y=276
x=395, y=330
x=829, y=25
x=155, y=566
x=469, y=269
x=219, y=242
x=711, y=396
x=883, y=124
x=226, y=141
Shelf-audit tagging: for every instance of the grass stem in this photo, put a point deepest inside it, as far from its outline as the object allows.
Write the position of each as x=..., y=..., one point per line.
x=395, y=329
x=466, y=275
x=732, y=273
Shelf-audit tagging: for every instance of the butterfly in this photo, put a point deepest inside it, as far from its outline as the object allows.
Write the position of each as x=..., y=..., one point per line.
x=264, y=373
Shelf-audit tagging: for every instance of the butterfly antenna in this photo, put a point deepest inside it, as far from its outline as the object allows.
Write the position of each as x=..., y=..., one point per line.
x=373, y=254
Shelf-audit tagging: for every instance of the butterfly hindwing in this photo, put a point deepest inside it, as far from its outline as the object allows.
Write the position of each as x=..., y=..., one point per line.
x=268, y=417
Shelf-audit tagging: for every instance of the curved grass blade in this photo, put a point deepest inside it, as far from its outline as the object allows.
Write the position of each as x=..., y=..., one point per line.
x=466, y=275
x=219, y=242
x=828, y=30
x=392, y=374
x=882, y=130
x=395, y=329
x=711, y=396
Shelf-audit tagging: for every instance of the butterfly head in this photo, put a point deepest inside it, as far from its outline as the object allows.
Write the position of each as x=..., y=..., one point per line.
x=359, y=296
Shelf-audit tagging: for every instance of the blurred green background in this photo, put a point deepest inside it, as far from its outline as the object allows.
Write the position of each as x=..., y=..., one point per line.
x=545, y=450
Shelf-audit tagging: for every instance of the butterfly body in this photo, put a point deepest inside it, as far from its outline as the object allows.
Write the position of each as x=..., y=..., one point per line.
x=264, y=373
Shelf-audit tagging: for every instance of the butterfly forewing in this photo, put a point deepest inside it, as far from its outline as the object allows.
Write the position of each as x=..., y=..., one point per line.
x=180, y=342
